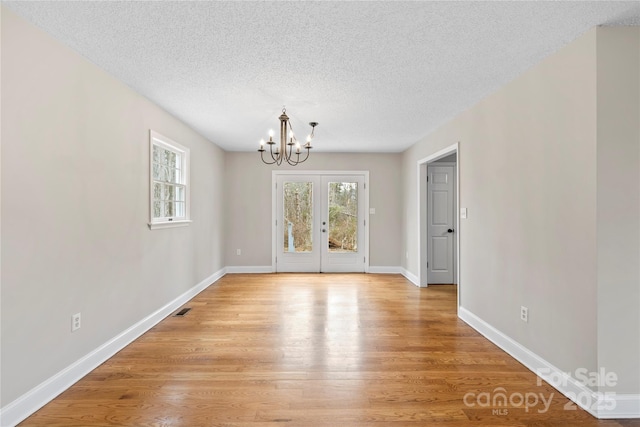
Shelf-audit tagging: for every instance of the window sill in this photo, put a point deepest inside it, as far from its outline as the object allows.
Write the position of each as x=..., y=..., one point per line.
x=169, y=224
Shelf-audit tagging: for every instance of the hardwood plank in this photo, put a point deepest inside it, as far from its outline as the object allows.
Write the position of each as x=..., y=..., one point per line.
x=314, y=351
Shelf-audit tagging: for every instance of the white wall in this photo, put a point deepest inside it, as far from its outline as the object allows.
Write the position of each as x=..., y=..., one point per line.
x=526, y=160
x=550, y=192
x=75, y=208
x=618, y=210
x=248, y=204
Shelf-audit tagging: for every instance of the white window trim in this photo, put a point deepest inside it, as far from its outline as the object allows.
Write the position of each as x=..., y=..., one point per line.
x=155, y=223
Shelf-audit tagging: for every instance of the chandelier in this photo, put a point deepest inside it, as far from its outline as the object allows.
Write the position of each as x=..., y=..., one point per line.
x=289, y=149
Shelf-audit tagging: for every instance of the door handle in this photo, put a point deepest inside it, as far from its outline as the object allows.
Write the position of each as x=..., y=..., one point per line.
x=450, y=230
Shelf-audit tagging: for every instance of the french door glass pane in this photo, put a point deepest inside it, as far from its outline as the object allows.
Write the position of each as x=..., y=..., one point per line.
x=343, y=217
x=298, y=216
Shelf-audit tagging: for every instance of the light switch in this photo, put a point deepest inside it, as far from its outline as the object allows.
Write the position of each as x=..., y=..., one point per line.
x=463, y=213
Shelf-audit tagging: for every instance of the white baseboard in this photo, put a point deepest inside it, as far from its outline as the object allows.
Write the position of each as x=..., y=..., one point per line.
x=599, y=405
x=235, y=269
x=626, y=406
x=34, y=399
x=410, y=276
x=385, y=270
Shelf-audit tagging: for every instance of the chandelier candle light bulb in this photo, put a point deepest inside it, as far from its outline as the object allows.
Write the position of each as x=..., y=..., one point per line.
x=284, y=151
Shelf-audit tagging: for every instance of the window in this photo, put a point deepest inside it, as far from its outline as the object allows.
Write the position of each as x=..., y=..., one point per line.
x=169, y=173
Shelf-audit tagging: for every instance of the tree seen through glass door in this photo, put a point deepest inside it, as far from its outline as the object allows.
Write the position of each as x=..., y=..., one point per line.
x=343, y=217
x=298, y=216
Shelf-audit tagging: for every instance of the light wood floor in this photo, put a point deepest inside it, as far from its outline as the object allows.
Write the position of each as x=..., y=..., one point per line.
x=311, y=350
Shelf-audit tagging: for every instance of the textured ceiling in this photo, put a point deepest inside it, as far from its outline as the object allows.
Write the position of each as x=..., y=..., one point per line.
x=377, y=76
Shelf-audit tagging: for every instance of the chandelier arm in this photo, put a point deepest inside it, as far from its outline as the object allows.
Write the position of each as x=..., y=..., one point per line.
x=293, y=162
x=262, y=157
x=277, y=158
x=307, y=156
x=298, y=161
x=271, y=153
x=291, y=152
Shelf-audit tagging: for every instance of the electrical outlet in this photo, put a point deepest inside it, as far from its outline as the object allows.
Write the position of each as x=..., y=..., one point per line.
x=75, y=322
x=238, y=251
x=524, y=313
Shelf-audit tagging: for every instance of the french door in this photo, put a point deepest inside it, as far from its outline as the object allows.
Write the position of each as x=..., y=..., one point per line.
x=320, y=223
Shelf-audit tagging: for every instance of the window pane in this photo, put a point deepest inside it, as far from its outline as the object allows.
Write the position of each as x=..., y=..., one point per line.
x=169, y=192
x=180, y=212
x=180, y=194
x=298, y=216
x=175, y=176
x=171, y=159
x=156, y=172
x=168, y=209
x=157, y=191
x=156, y=154
x=157, y=209
x=162, y=173
x=343, y=217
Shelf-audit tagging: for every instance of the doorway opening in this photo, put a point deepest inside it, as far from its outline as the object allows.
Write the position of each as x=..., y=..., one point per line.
x=438, y=218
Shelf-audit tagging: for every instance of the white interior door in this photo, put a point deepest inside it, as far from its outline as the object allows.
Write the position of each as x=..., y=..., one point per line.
x=320, y=223
x=440, y=224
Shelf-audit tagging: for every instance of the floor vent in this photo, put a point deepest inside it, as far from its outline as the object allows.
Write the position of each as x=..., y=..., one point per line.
x=182, y=312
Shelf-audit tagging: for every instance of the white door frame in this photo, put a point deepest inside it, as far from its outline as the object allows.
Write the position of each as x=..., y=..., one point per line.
x=422, y=213
x=274, y=204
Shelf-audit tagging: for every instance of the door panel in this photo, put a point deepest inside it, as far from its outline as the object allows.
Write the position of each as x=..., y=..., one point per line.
x=440, y=250
x=440, y=221
x=320, y=223
x=439, y=204
x=343, y=224
x=297, y=236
